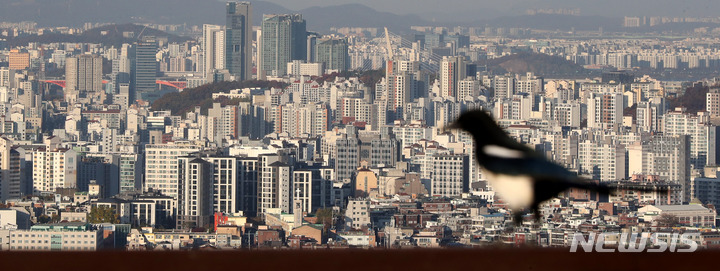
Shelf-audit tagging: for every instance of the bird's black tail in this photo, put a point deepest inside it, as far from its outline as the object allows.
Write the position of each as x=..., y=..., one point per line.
x=608, y=190
x=593, y=186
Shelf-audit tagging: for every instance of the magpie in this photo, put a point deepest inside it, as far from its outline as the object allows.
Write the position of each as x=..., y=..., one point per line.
x=522, y=177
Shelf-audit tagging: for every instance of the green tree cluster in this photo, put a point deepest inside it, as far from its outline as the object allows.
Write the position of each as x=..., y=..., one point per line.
x=325, y=217
x=103, y=214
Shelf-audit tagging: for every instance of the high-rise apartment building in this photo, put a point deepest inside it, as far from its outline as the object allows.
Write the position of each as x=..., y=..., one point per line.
x=452, y=70
x=274, y=184
x=602, y=161
x=400, y=85
x=302, y=120
x=214, y=49
x=54, y=168
x=284, y=39
x=664, y=156
x=9, y=170
x=83, y=74
x=355, y=147
x=703, y=135
x=605, y=110
x=504, y=86
x=567, y=114
x=161, y=169
x=195, y=192
x=333, y=53
x=238, y=40
x=712, y=104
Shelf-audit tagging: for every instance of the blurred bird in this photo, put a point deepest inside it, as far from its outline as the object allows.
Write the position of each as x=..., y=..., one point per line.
x=522, y=177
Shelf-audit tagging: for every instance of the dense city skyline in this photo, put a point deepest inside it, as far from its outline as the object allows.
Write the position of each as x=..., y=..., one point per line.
x=265, y=130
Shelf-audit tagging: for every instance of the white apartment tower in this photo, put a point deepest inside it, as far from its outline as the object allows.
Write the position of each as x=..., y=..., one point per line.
x=213, y=46
x=452, y=71
x=604, y=162
x=161, y=168
x=54, y=168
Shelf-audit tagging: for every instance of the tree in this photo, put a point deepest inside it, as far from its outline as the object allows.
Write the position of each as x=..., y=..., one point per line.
x=693, y=99
x=43, y=219
x=667, y=220
x=103, y=214
x=325, y=217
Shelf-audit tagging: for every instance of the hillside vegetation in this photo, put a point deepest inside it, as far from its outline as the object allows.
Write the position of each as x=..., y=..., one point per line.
x=693, y=99
x=539, y=64
x=188, y=99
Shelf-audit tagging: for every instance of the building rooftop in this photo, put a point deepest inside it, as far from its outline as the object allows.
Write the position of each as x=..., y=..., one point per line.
x=692, y=207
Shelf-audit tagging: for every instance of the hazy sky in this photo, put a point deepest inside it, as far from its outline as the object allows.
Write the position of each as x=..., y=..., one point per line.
x=405, y=6
x=684, y=8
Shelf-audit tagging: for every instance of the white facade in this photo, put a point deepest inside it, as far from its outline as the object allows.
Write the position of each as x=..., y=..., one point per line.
x=449, y=175
x=54, y=169
x=298, y=68
x=54, y=240
x=213, y=45
x=161, y=169
x=605, y=162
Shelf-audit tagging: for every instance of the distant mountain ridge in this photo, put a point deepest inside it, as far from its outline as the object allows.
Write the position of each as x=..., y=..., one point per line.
x=319, y=19
x=198, y=12
x=78, y=12
x=108, y=35
x=356, y=15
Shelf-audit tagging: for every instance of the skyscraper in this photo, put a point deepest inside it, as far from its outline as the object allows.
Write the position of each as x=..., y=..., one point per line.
x=333, y=53
x=284, y=39
x=238, y=40
x=145, y=66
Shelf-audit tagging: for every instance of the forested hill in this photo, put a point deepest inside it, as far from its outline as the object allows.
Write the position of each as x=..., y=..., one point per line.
x=181, y=102
x=539, y=64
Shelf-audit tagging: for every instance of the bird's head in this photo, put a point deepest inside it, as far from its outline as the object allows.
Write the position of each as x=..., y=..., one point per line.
x=480, y=125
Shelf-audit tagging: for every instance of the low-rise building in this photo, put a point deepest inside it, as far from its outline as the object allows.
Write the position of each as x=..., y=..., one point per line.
x=72, y=236
x=688, y=215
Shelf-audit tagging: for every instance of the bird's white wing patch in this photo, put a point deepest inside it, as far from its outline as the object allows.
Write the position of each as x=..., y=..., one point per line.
x=502, y=152
x=516, y=191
